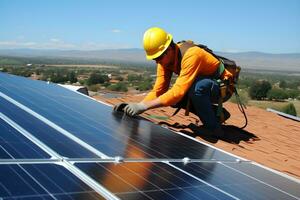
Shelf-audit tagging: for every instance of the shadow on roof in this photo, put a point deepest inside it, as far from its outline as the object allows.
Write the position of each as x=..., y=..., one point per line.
x=232, y=134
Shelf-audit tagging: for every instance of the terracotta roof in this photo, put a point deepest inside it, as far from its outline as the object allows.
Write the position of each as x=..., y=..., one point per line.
x=269, y=139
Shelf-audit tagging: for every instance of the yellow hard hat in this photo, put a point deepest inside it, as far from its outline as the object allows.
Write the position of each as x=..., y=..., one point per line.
x=156, y=41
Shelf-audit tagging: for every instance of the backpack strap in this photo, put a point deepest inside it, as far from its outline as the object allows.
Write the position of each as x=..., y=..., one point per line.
x=183, y=47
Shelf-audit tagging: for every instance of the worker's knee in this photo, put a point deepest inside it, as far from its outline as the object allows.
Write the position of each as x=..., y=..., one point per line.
x=205, y=87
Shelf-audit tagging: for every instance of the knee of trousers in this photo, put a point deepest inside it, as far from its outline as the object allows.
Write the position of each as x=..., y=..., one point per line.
x=203, y=87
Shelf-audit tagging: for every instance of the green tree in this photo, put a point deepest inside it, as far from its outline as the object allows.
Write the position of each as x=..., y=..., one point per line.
x=134, y=77
x=259, y=89
x=121, y=87
x=277, y=94
x=283, y=84
x=290, y=109
x=72, y=77
x=145, y=85
x=58, y=78
x=96, y=78
x=293, y=93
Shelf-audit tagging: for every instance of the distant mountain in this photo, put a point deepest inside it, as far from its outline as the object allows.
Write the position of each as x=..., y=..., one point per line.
x=250, y=60
x=258, y=60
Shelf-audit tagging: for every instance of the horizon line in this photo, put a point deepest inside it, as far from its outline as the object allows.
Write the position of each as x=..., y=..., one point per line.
x=108, y=49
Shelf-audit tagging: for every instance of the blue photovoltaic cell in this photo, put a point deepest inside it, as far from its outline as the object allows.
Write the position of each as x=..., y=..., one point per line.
x=13, y=145
x=268, y=177
x=149, y=181
x=42, y=181
x=257, y=184
x=94, y=123
x=52, y=138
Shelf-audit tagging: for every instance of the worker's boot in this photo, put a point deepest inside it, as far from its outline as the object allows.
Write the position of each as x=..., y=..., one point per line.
x=226, y=115
x=216, y=132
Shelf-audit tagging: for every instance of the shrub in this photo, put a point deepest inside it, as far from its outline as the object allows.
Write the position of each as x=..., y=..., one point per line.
x=293, y=93
x=71, y=76
x=145, y=85
x=94, y=88
x=259, y=89
x=277, y=94
x=134, y=77
x=121, y=87
x=96, y=78
x=290, y=109
x=282, y=84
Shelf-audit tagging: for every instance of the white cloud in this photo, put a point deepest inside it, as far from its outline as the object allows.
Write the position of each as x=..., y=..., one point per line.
x=55, y=43
x=16, y=44
x=116, y=30
x=231, y=50
x=52, y=44
x=21, y=37
x=55, y=40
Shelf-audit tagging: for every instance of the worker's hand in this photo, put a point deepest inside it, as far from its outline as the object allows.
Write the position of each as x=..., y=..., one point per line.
x=120, y=107
x=133, y=109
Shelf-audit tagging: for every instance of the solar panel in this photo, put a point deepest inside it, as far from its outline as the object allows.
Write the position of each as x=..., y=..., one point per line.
x=150, y=180
x=96, y=125
x=251, y=183
x=42, y=181
x=51, y=137
x=16, y=146
x=57, y=144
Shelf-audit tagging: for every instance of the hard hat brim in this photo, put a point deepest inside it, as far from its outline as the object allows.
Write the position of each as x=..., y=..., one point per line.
x=157, y=54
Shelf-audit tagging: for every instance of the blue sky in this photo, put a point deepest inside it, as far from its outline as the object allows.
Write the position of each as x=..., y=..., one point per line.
x=271, y=26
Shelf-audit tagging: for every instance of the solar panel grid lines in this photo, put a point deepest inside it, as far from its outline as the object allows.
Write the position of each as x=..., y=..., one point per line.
x=12, y=143
x=142, y=160
x=30, y=137
x=232, y=196
x=42, y=181
x=152, y=160
x=136, y=142
x=277, y=172
x=53, y=125
x=148, y=179
x=58, y=157
x=141, y=144
x=256, y=179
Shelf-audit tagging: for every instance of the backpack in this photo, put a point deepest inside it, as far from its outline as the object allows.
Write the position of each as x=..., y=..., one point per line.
x=230, y=65
x=228, y=87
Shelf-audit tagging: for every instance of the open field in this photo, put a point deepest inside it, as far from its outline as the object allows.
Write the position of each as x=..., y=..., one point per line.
x=275, y=105
x=85, y=66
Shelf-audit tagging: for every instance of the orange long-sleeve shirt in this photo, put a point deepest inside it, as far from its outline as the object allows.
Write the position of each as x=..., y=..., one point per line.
x=194, y=63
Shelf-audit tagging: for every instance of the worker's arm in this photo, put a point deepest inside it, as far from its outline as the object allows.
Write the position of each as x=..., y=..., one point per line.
x=195, y=62
x=151, y=100
x=189, y=72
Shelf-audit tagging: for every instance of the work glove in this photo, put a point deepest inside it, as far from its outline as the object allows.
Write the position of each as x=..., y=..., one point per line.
x=133, y=109
x=120, y=107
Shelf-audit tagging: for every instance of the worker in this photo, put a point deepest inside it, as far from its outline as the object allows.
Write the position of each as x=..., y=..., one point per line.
x=197, y=72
